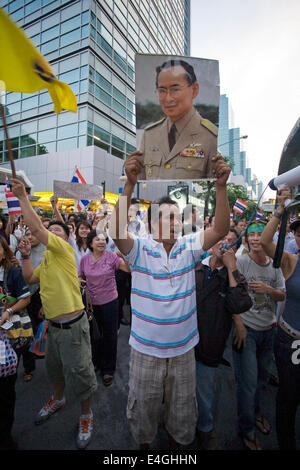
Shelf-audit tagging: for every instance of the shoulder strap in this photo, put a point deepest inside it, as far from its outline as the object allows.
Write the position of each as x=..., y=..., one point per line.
x=210, y=126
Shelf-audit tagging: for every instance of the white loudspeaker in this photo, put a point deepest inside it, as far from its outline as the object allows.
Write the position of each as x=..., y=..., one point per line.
x=286, y=180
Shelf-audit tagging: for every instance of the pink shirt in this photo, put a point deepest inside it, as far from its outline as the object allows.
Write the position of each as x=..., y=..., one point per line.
x=100, y=277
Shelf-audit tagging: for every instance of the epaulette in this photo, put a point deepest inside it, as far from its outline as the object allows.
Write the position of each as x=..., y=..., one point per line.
x=154, y=124
x=210, y=126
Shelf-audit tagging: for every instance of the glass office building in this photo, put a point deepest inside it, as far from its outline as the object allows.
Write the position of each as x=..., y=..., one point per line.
x=91, y=46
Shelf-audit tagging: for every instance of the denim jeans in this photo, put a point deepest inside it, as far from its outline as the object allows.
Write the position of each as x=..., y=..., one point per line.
x=107, y=320
x=288, y=395
x=205, y=377
x=251, y=368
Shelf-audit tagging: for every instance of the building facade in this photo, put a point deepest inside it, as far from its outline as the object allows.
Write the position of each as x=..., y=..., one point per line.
x=90, y=45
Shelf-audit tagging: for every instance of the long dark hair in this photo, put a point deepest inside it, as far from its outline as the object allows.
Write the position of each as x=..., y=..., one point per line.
x=79, y=239
x=6, y=262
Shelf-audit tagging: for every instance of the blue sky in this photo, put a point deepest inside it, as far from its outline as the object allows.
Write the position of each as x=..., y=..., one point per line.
x=257, y=44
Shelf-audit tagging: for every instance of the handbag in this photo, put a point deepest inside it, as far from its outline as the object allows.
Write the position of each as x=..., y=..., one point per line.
x=8, y=356
x=21, y=333
x=38, y=345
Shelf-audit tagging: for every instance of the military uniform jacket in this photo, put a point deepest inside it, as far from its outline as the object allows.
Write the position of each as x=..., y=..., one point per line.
x=191, y=156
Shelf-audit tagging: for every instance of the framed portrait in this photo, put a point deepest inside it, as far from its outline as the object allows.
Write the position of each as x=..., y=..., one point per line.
x=177, y=116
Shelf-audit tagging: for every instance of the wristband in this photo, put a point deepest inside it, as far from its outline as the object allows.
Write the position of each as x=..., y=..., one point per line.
x=10, y=311
x=25, y=257
x=277, y=214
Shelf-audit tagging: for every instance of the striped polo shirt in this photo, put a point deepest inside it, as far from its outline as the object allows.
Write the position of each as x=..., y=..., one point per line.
x=163, y=296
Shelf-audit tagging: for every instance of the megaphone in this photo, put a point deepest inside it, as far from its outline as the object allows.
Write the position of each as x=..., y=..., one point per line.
x=286, y=180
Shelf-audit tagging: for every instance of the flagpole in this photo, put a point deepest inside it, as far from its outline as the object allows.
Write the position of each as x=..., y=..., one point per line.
x=10, y=154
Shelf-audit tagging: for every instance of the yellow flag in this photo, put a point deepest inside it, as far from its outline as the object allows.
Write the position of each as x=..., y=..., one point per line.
x=24, y=69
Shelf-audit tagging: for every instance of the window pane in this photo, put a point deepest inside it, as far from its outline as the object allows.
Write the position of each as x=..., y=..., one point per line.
x=69, y=77
x=46, y=136
x=117, y=153
x=83, y=86
x=101, y=134
x=70, y=24
x=84, y=31
x=45, y=98
x=116, y=142
x=85, y=17
x=82, y=128
x=50, y=46
x=103, y=82
x=14, y=108
x=67, y=131
x=119, y=108
x=47, y=123
x=32, y=6
x=50, y=33
x=67, y=144
x=119, y=96
x=101, y=95
x=30, y=103
x=101, y=145
x=29, y=139
x=49, y=147
x=28, y=151
x=69, y=38
x=83, y=72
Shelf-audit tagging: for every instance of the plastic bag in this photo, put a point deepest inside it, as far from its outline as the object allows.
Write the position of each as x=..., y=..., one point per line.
x=38, y=345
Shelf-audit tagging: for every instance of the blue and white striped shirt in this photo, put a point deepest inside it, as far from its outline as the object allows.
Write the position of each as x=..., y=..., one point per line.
x=163, y=296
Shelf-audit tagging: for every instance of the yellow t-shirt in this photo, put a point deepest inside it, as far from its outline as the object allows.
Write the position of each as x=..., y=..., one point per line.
x=59, y=286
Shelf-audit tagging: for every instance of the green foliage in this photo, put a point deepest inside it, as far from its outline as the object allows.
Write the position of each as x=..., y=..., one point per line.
x=234, y=192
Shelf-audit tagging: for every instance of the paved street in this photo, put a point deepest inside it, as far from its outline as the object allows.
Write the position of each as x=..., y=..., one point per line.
x=111, y=430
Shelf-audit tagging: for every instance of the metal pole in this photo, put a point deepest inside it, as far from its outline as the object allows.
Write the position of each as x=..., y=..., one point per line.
x=9, y=150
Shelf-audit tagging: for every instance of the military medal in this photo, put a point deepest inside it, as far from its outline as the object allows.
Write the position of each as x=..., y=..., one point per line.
x=194, y=150
x=154, y=149
x=149, y=172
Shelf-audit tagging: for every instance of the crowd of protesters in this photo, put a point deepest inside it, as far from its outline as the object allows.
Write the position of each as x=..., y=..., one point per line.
x=193, y=287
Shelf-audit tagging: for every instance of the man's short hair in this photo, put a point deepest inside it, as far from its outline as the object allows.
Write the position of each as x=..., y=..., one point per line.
x=189, y=70
x=61, y=224
x=159, y=202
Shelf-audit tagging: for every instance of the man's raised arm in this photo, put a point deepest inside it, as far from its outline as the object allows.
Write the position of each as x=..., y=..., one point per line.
x=118, y=226
x=31, y=218
x=222, y=214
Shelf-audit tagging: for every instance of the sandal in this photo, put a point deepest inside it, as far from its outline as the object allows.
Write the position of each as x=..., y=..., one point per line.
x=107, y=380
x=28, y=377
x=251, y=442
x=262, y=425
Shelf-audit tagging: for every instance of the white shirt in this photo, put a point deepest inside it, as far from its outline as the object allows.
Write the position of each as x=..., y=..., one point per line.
x=163, y=296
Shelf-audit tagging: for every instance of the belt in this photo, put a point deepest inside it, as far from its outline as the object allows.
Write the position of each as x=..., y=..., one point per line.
x=288, y=331
x=66, y=326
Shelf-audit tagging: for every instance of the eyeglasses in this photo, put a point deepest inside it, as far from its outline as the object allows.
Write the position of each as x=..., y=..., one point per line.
x=173, y=91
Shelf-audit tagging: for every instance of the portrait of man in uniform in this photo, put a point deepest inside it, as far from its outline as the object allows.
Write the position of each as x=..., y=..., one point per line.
x=179, y=142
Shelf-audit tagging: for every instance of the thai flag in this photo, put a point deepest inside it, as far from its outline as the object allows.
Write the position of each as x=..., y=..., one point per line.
x=231, y=216
x=292, y=219
x=259, y=214
x=11, y=200
x=240, y=206
x=78, y=178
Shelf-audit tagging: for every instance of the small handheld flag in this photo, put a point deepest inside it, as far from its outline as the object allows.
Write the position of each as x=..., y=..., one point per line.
x=259, y=214
x=239, y=206
x=12, y=201
x=78, y=178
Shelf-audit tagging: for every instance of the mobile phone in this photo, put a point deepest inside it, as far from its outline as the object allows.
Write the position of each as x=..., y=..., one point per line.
x=7, y=325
